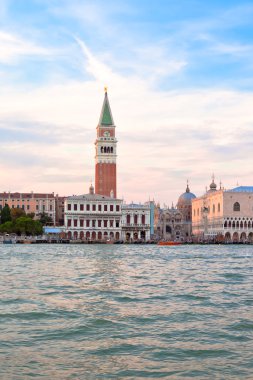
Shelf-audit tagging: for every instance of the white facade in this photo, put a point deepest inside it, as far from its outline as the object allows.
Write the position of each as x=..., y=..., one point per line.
x=93, y=217
x=227, y=214
x=135, y=222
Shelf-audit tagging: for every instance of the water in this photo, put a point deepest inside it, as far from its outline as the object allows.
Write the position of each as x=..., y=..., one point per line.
x=126, y=312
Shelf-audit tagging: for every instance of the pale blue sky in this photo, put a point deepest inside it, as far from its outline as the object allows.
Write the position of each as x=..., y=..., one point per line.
x=180, y=83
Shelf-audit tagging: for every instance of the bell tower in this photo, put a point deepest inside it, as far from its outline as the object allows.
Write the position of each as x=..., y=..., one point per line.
x=105, y=146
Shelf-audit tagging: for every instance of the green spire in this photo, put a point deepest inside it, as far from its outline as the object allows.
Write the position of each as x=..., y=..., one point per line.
x=106, y=115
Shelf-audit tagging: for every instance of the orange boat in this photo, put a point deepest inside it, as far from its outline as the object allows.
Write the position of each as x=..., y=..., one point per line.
x=169, y=243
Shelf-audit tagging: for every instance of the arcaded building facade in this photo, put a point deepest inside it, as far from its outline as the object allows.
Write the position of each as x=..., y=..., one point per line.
x=136, y=222
x=226, y=215
x=93, y=217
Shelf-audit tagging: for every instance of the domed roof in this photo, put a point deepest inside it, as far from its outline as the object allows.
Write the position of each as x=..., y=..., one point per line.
x=186, y=197
x=213, y=186
x=91, y=189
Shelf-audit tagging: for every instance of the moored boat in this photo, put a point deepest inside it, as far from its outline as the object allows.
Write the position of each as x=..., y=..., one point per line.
x=169, y=243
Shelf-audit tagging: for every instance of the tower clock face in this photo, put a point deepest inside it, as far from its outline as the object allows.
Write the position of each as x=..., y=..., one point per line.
x=107, y=134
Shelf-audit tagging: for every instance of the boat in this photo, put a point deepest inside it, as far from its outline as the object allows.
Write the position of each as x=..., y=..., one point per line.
x=169, y=243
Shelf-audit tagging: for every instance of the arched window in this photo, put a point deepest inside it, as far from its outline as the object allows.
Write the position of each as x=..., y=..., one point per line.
x=236, y=206
x=213, y=209
x=218, y=207
x=198, y=211
x=143, y=219
x=111, y=149
x=233, y=225
x=135, y=219
x=102, y=149
x=225, y=224
x=128, y=219
x=229, y=224
x=168, y=229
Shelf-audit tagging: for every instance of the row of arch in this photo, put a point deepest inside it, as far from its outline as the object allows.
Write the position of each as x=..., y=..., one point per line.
x=106, y=149
x=238, y=224
x=136, y=236
x=93, y=235
x=236, y=237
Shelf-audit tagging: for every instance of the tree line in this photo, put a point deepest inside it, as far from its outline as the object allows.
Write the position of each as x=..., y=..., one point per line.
x=16, y=221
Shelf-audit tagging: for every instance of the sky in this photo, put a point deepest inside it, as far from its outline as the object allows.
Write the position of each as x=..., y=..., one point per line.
x=180, y=85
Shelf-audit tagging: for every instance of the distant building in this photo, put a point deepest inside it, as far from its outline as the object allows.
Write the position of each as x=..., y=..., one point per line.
x=93, y=217
x=184, y=206
x=224, y=214
x=136, y=222
x=59, y=210
x=175, y=223
x=170, y=226
x=36, y=203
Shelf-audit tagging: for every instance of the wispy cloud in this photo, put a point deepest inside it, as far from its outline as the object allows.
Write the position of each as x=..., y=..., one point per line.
x=13, y=47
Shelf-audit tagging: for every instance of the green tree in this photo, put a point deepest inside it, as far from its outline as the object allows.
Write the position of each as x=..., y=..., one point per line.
x=6, y=214
x=17, y=213
x=27, y=226
x=38, y=228
x=7, y=227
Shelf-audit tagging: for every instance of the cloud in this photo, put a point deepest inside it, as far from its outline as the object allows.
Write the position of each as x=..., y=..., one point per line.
x=13, y=47
x=165, y=136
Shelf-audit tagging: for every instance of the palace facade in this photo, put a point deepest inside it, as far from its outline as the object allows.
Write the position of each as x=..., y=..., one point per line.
x=93, y=217
x=226, y=215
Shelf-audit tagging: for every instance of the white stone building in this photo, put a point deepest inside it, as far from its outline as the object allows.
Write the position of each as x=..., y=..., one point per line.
x=227, y=214
x=135, y=222
x=93, y=217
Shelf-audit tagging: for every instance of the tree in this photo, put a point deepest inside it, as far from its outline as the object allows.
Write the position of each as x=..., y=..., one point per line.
x=7, y=227
x=17, y=213
x=6, y=214
x=45, y=219
x=30, y=215
x=27, y=226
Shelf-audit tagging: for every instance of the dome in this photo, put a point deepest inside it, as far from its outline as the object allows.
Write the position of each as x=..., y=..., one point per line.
x=91, y=189
x=185, y=198
x=213, y=185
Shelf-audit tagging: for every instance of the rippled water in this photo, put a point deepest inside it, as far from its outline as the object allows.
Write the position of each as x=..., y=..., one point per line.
x=135, y=312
